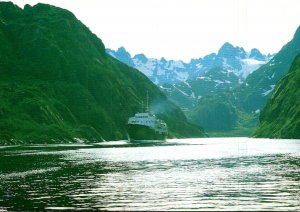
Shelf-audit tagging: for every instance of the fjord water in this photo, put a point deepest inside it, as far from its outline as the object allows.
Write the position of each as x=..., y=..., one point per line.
x=183, y=174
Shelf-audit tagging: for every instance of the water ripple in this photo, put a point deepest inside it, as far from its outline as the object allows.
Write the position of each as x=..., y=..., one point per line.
x=140, y=178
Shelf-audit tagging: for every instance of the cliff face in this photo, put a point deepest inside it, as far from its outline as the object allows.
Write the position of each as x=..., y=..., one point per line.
x=57, y=83
x=281, y=116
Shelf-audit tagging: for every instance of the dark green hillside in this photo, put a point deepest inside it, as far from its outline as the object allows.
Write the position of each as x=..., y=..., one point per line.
x=215, y=115
x=57, y=83
x=281, y=116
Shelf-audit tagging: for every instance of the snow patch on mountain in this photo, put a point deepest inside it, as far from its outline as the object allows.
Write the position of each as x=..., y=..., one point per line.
x=184, y=93
x=199, y=66
x=182, y=76
x=268, y=91
x=160, y=71
x=146, y=68
x=179, y=64
x=218, y=81
x=249, y=65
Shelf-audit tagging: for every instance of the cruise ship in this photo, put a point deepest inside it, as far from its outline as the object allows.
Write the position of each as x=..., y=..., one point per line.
x=146, y=127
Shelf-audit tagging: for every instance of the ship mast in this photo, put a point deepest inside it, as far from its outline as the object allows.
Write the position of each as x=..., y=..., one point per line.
x=147, y=102
x=142, y=104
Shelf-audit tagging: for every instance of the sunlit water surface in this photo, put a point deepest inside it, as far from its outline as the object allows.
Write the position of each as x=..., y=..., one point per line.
x=183, y=174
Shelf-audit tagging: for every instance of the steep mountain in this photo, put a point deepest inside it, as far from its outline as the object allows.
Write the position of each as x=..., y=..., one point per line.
x=256, y=89
x=281, y=116
x=161, y=71
x=57, y=83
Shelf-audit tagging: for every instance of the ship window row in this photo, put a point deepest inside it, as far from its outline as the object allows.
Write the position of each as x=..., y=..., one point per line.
x=142, y=121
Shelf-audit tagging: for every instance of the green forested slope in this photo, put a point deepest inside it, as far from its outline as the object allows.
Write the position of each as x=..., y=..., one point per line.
x=281, y=116
x=57, y=83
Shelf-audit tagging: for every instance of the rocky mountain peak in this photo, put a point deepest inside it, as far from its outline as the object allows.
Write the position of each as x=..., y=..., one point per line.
x=162, y=71
x=124, y=56
x=141, y=57
x=228, y=50
x=256, y=54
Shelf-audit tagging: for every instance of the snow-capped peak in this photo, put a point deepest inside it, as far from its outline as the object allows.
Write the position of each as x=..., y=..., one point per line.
x=161, y=71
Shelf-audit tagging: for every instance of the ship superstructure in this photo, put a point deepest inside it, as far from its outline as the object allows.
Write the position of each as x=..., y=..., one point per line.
x=146, y=126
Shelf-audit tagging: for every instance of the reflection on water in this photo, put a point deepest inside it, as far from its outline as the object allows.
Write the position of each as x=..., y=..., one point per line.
x=189, y=174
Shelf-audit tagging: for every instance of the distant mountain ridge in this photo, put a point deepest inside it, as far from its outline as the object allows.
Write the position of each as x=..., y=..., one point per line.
x=162, y=71
x=205, y=88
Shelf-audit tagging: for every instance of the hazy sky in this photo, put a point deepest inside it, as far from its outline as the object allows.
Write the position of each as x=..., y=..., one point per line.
x=185, y=29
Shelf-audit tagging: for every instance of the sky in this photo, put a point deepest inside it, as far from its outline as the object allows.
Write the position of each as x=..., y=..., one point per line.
x=185, y=29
